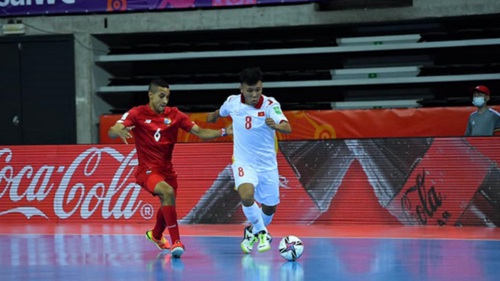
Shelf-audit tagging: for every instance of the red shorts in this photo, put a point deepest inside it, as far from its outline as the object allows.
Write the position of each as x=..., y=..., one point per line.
x=148, y=179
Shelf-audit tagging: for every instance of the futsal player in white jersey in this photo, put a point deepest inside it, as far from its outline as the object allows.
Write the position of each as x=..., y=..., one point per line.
x=255, y=119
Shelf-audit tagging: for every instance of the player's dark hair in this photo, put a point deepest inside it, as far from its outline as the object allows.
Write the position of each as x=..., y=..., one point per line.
x=156, y=83
x=251, y=75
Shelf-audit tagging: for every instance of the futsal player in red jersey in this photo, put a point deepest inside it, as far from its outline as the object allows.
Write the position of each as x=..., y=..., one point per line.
x=155, y=127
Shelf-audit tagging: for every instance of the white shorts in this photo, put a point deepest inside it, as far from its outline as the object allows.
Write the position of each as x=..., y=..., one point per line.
x=266, y=183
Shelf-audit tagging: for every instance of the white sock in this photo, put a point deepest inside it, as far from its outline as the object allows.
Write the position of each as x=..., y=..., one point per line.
x=254, y=216
x=266, y=218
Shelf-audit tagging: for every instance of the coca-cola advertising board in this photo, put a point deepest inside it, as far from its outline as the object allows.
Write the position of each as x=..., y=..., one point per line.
x=70, y=183
x=411, y=181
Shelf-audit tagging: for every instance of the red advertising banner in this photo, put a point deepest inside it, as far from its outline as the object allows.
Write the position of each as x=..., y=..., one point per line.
x=345, y=124
x=410, y=181
x=70, y=183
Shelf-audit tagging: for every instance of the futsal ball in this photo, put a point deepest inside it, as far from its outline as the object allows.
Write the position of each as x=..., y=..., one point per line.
x=291, y=247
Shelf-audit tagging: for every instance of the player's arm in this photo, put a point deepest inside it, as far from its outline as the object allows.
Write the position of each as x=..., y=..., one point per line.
x=119, y=130
x=275, y=118
x=229, y=129
x=207, y=133
x=283, y=127
x=213, y=116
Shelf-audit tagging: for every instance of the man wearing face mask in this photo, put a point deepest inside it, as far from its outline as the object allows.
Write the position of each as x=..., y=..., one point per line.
x=484, y=121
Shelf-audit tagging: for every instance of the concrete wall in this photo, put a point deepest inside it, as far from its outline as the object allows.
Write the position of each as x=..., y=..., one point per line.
x=83, y=26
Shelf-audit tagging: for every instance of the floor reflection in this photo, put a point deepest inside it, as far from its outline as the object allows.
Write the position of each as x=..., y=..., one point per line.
x=131, y=257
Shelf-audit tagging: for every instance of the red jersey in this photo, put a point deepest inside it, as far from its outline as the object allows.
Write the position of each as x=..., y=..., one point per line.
x=155, y=135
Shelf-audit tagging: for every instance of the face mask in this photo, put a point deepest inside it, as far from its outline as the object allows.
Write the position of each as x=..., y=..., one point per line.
x=478, y=101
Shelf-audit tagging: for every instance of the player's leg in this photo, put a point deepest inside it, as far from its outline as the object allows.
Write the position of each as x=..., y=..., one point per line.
x=253, y=215
x=167, y=193
x=250, y=207
x=160, y=224
x=267, y=194
x=267, y=213
x=155, y=235
x=245, y=180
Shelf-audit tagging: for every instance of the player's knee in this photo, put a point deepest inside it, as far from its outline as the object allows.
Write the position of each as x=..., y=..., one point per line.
x=246, y=193
x=269, y=210
x=165, y=191
x=247, y=201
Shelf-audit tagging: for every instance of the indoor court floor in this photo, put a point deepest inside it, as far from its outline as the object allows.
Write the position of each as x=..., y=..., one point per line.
x=74, y=252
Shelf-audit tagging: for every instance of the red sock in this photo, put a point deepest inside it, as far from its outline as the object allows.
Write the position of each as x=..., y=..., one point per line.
x=170, y=216
x=160, y=225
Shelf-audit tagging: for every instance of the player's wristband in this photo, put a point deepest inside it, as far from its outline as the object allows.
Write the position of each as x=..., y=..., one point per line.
x=223, y=132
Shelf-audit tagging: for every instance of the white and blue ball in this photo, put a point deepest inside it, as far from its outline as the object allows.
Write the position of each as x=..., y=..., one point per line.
x=291, y=247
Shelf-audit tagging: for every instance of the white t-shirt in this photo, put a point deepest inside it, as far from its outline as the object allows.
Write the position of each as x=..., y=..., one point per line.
x=254, y=141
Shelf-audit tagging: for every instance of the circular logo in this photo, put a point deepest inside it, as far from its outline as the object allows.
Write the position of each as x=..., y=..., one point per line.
x=147, y=211
x=117, y=5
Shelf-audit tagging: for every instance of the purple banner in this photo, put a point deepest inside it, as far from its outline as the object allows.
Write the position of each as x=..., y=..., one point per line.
x=54, y=7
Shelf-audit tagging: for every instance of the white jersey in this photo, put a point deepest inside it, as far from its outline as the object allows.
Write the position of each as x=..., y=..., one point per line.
x=254, y=141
